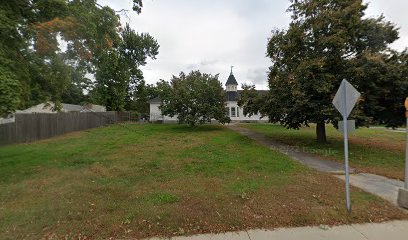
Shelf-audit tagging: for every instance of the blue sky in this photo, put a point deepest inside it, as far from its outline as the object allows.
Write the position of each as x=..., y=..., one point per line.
x=213, y=35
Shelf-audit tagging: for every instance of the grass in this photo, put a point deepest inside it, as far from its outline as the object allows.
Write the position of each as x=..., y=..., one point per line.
x=135, y=181
x=372, y=150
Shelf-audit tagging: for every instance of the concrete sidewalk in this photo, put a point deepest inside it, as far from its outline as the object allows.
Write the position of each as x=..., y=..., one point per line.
x=396, y=230
x=378, y=185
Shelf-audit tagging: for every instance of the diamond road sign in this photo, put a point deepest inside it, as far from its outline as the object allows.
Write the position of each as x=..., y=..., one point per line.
x=346, y=98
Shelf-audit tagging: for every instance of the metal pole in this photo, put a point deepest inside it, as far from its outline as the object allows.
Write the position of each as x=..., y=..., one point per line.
x=346, y=160
x=406, y=155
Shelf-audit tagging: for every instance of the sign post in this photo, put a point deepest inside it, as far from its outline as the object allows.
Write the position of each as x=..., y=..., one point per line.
x=344, y=101
x=403, y=193
x=406, y=146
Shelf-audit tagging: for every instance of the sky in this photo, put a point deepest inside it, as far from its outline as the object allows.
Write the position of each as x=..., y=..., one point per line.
x=212, y=36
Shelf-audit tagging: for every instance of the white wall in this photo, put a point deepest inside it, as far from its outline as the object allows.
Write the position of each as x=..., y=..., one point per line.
x=231, y=88
x=240, y=116
x=156, y=115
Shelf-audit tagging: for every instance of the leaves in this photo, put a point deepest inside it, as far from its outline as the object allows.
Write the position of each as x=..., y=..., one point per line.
x=326, y=42
x=9, y=93
x=31, y=33
x=195, y=98
x=118, y=75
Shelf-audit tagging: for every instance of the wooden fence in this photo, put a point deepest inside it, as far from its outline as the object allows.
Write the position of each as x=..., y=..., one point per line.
x=33, y=127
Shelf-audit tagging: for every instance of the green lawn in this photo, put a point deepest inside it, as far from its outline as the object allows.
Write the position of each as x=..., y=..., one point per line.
x=371, y=150
x=139, y=181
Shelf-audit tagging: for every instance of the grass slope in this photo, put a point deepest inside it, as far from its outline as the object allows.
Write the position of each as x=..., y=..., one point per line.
x=371, y=150
x=139, y=181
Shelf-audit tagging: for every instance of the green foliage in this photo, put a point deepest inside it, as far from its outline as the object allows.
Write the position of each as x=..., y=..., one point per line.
x=137, y=6
x=30, y=54
x=112, y=81
x=326, y=42
x=251, y=101
x=139, y=99
x=9, y=93
x=383, y=79
x=194, y=98
x=75, y=92
x=118, y=74
x=13, y=53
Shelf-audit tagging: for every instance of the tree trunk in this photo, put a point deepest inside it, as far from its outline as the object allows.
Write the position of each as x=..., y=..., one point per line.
x=321, y=132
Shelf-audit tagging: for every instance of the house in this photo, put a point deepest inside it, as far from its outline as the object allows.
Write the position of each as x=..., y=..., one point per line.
x=156, y=114
x=49, y=107
x=93, y=108
x=232, y=95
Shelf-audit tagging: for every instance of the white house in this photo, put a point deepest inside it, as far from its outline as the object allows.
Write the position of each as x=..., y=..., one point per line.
x=49, y=107
x=156, y=114
x=232, y=95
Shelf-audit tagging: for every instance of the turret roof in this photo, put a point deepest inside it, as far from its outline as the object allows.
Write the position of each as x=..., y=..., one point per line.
x=231, y=80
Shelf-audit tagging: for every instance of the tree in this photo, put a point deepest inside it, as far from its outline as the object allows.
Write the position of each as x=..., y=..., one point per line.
x=195, y=98
x=30, y=56
x=139, y=99
x=323, y=45
x=251, y=100
x=78, y=83
x=13, y=51
x=384, y=83
x=119, y=71
x=9, y=93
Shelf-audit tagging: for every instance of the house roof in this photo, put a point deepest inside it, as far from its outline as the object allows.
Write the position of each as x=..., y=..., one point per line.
x=71, y=107
x=93, y=108
x=231, y=96
x=231, y=80
x=49, y=107
x=235, y=96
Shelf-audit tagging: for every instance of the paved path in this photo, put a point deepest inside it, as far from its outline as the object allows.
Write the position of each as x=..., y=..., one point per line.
x=297, y=153
x=396, y=230
x=378, y=185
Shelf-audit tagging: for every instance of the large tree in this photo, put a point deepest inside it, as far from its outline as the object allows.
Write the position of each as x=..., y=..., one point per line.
x=34, y=65
x=326, y=42
x=138, y=100
x=195, y=98
x=119, y=72
x=383, y=80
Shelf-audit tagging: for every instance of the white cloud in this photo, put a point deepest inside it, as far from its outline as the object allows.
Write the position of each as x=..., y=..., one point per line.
x=213, y=35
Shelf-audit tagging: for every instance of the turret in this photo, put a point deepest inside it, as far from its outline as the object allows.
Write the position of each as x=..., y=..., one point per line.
x=231, y=84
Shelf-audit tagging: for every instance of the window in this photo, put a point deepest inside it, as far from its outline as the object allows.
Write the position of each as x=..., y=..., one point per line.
x=233, y=113
x=237, y=111
x=227, y=112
